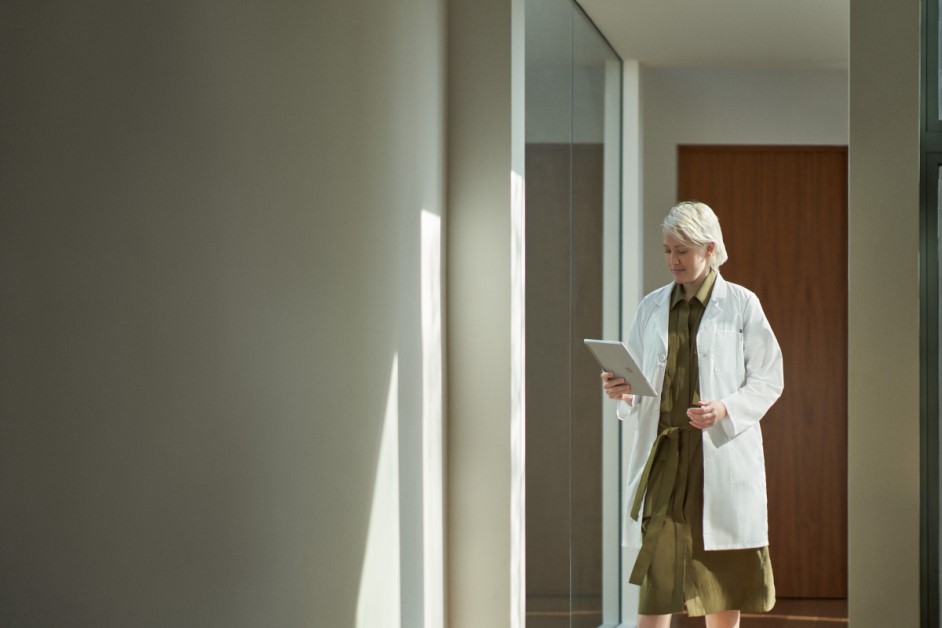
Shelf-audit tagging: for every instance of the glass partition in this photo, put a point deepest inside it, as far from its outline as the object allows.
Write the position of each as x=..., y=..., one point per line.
x=573, y=164
x=548, y=195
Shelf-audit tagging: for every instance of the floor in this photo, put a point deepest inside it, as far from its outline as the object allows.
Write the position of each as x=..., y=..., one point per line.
x=787, y=613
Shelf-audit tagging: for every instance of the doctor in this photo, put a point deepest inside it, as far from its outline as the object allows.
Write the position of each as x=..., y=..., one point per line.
x=696, y=480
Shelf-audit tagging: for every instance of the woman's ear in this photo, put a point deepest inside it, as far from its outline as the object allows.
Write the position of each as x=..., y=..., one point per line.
x=710, y=248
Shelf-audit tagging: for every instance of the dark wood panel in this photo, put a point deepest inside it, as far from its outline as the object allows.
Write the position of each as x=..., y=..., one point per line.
x=548, y=529
x=586, y=303
x=783, y=211
x=564, y=407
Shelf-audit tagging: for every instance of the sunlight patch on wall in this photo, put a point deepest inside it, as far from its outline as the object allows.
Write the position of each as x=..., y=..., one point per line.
x=378, y=604
x=517, y=404
x=433, y=554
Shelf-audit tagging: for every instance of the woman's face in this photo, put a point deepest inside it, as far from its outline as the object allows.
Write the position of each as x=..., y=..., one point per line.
x=689, y=264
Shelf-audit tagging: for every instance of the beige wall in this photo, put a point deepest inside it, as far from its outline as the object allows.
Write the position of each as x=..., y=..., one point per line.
x=209, y=259
x=883, y=286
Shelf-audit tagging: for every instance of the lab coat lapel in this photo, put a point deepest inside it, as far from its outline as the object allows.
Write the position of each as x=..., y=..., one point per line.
x=660, y=320
x=714, y=309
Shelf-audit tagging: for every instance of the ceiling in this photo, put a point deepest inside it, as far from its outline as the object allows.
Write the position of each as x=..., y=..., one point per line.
x=727, y=33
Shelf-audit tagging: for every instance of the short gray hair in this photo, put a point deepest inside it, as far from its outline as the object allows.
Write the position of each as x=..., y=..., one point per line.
x=695, y=224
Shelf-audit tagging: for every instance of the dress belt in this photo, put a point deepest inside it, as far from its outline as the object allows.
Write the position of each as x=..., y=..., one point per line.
x=667, y=436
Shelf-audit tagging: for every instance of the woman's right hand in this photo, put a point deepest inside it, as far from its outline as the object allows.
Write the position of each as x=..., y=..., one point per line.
x=616, y=387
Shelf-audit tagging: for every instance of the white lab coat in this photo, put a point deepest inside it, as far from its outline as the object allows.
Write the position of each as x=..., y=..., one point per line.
x=741, y=365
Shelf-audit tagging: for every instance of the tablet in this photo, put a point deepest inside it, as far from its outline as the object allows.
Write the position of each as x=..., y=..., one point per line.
x=613, y=356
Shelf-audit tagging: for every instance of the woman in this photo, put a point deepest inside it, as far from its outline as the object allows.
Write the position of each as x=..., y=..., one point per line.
x=696, y=478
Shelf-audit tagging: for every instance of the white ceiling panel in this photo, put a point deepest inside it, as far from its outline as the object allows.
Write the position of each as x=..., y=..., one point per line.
x=727, y=33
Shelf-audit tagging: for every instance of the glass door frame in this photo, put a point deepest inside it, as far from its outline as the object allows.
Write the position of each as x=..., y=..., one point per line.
x=929, y=399
x=930, y=318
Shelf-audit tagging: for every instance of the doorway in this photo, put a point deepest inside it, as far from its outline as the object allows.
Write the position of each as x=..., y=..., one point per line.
x=783, y=210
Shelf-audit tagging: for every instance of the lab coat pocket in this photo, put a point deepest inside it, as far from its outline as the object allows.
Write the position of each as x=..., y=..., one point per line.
x=746, y=460
x=728, y=351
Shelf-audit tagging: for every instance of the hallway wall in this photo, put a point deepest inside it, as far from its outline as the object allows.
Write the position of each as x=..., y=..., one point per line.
x=209, y=269
x=883, y=319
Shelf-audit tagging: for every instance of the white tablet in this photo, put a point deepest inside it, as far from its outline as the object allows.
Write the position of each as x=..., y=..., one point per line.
x=613, y=356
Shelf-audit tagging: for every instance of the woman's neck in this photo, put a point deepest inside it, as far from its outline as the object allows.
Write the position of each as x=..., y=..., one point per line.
x=691, y=289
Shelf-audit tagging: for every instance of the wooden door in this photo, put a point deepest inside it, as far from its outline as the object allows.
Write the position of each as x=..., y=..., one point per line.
x=783, y=211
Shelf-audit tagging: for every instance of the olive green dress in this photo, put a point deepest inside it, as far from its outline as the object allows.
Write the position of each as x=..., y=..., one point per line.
x=673, y=569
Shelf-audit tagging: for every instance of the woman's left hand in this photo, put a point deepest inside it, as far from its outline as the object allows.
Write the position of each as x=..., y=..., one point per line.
x=706, y=414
